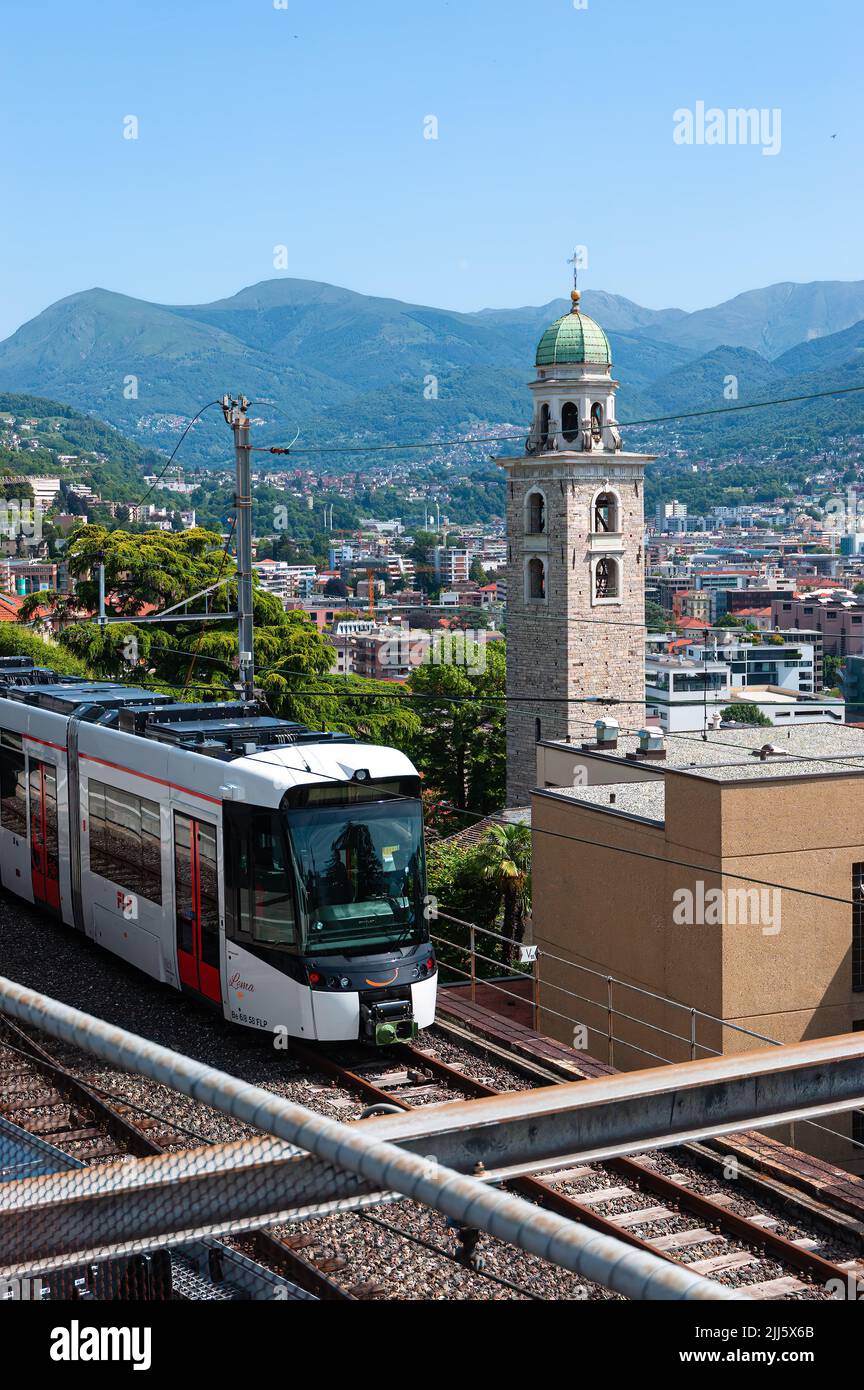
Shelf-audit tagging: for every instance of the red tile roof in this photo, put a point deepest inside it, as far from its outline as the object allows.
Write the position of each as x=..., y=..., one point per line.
x=10, y=605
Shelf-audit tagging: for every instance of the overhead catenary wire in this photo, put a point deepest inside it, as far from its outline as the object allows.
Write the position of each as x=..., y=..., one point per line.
x=195, y=653
x=496, y=818
x=520, y=434
x=536, y=830
x=497, y=699
x=195, y=418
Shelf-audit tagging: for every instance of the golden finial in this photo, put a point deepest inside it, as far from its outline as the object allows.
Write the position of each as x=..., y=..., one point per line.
x=575, y=295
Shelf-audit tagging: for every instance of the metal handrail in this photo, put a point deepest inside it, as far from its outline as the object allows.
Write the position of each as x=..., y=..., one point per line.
x=611, y=1012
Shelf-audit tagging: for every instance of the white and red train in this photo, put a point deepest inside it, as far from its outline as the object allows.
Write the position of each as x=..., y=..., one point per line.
x=272, y=871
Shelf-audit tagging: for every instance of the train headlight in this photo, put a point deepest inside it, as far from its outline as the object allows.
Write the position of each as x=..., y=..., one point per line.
x=344, y=983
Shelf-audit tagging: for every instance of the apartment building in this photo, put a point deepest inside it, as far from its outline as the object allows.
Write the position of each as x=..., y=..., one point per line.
x=452, y=566
x=286, y=581
x=23, y=577
x=840, y=622
x=684, y=690
x=651, y=858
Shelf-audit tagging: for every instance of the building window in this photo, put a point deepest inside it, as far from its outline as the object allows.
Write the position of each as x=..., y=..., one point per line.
x=125, y=840
x=605, y=513
x=536, y=578
x=544, y=423
x=13, y=784
x=570, y=421
x=606, y=578
x=596, y=423
x=536, y=514
x=858, y=928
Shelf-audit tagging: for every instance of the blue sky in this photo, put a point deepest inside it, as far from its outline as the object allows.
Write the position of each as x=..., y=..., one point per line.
x=303, y=126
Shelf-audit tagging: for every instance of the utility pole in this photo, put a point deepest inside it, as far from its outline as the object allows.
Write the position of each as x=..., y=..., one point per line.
x=235, y=412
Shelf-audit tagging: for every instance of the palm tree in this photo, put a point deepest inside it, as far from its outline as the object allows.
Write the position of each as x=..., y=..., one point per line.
x=505, y=857
x=61, y=608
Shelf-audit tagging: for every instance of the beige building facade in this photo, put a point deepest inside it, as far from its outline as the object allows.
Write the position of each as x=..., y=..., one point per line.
x=708, y=874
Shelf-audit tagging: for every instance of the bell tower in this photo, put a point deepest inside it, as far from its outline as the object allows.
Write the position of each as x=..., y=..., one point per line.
x=575, y=575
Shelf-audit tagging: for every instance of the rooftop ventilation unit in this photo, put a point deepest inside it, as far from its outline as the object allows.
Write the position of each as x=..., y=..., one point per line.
x=651, y=745
x=768, y=750
x=607, y=732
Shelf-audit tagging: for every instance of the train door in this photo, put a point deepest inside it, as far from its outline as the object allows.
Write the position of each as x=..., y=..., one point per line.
x=44, y=850
x=196, y=904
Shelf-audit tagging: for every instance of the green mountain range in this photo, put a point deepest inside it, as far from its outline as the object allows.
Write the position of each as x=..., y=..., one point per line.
x=347, y=368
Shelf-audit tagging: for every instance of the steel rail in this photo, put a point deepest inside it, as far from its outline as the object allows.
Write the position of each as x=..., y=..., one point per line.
x=739, y=1227
x=344, y=1152
x=526, y=1186
x=697, y=1204
x=269, y=1249
x=76, y=1091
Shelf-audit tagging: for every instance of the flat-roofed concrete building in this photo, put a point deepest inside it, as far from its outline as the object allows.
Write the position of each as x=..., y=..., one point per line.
x=840, y=622
x=725, y=874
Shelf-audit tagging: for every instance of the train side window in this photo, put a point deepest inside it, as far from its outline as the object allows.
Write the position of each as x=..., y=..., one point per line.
x=125, y=840
x=271, y=899
x=208, y=877
x=261, y=897
x=13, y=784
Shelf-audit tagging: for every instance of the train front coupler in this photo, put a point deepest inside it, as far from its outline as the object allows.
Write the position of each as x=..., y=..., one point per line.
x=387, y=1022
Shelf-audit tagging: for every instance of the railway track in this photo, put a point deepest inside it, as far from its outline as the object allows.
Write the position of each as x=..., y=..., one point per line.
x=626, y=1198
x=46, y=1099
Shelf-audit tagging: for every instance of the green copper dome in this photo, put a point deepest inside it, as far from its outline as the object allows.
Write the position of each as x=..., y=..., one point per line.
x=574, y=338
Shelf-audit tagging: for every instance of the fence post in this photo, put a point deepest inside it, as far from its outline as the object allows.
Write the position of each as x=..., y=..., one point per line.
x=610, y=1025
x=472, y=943
x=535, y=971
x=692, y=1035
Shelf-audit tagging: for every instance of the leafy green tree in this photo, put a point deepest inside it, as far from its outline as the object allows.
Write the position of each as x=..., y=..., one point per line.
x=746, y=713
x=421, y=553
x=17, y=641
x=461, y=746
x=476, y=573
x=656, y=617
x=832, y=671
x=293, y=659
x=457, y=882
x=62, y=606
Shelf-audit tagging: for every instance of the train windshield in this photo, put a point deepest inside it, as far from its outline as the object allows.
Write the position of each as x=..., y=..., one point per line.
x=360, y=875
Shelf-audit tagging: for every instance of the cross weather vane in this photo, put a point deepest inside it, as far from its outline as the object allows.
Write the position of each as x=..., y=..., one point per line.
x=574, y=260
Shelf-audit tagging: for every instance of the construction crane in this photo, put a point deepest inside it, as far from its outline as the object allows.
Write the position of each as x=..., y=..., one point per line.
x=370, y=585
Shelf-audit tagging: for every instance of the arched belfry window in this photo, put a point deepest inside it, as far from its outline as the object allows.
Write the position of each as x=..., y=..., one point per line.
x=536, y=578
x=597, y=423
x=544, y=423
x=535, y=514
x=606, y=516
x=607, y=578
x=570, y=421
